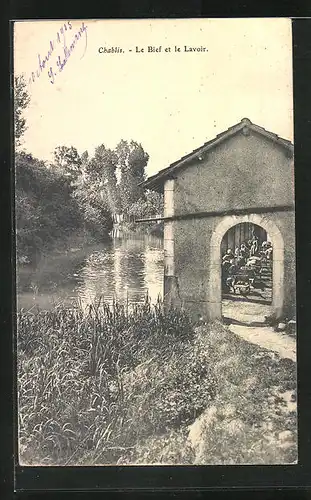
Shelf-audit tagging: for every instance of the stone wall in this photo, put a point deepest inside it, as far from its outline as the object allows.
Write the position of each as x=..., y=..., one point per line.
x=244, y=172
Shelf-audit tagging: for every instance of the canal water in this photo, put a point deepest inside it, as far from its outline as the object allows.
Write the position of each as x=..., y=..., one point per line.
x=127, y=268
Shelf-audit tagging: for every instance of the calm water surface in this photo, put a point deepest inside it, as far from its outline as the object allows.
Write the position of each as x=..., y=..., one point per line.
x=126, y=268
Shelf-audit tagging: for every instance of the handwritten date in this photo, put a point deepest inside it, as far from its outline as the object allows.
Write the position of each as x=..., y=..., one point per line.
x=53, y=62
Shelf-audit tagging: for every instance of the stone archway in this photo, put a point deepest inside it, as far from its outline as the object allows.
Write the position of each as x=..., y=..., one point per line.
x=214, y=293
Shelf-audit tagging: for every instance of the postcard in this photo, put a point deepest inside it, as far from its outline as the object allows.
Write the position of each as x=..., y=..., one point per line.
x=155, y=242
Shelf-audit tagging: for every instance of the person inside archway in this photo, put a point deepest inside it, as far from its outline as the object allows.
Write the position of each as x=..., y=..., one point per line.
x=228, y=255
x=244, y=252
x=226, y=264
x=254, y=247
x=269, y=251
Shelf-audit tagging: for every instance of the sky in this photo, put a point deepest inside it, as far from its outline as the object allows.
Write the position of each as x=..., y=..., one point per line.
x=170, y=102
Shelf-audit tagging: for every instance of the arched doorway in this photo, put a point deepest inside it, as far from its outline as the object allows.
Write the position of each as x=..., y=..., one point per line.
x=270, y=231
x=247, y=273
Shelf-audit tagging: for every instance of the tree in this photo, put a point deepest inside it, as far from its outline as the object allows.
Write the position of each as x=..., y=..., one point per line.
x=85, y=157
x=69, y=161
x=82, y=178
x=45, y=210
x=149, y=205
x=93, y=190
x=132, y=161
x=21, y=102
x=93, y=206
x=155, y=203
x=102, y=169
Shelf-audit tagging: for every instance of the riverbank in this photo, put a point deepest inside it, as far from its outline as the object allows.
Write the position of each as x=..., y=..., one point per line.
x=72, y=242
x=52, y=266
x=77, y=241
x=143, y=386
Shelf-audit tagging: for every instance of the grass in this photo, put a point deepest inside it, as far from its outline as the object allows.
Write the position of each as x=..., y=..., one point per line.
x=253, y=417
x=141, y=385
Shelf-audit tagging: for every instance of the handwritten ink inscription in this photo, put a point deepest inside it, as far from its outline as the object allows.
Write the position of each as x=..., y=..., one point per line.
x=59, y=51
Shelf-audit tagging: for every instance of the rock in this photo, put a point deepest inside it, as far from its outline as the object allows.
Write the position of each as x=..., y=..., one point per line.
x=281, y=327
x=197, y=433
x=199, y=426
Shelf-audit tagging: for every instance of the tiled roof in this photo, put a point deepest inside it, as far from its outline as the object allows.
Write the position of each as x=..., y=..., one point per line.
x=159, y=178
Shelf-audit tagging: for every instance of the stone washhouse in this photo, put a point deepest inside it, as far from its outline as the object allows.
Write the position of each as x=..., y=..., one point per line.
x=245, y=174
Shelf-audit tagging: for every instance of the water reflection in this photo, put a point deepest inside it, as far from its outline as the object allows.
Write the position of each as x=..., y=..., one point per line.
x=124, y=269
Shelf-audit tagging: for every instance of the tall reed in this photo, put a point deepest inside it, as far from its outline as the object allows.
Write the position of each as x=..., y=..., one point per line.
x=75, y=399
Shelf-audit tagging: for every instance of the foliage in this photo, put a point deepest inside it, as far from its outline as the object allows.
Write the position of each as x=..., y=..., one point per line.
x=183, y=394
x=149, y=205
x=76, y=400
x=94, y=208
x=132, y=161
x=81, y=191
x=45, y=209
x=171, y=448
x=252, y=420
x=75, y=192
x=91, y=190
x=21, y=102
x=101, y=169
x=69, y=161
x=122, y=384
x=108, y=183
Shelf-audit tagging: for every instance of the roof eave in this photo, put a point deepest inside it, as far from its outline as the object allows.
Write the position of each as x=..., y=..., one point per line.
x=156, y=182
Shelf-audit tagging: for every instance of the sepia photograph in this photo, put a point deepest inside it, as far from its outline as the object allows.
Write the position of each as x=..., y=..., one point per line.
x=155, y=242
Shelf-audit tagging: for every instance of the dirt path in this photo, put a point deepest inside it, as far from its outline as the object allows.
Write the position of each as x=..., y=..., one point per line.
x=246, y=319
x=244, y=311
x=266, y=337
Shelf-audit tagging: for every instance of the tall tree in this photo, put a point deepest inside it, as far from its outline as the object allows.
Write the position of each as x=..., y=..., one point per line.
x=82, y=178
x=132, y=161
x=92, y=189
x=21, y=102
x=69, y=161
x=85, y=158
x=93, y=202
x=102, y=168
